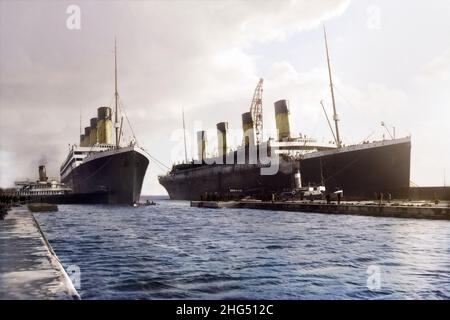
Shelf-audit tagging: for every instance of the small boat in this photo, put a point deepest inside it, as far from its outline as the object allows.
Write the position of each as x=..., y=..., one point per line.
x=145, y=204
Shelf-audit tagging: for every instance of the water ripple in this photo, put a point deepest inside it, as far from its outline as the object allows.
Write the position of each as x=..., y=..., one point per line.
x=173, y=251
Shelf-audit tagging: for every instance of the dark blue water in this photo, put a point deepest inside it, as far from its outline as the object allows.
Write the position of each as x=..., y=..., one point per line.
x=174, y=251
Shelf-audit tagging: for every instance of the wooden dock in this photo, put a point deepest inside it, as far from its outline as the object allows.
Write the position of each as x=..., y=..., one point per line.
x=29, y=269
x=396, y=210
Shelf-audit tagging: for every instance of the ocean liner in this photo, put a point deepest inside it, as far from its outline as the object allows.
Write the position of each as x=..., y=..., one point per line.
x=359, y=170
x=98, y=170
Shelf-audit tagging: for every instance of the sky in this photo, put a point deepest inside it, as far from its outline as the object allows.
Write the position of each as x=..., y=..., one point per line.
x=390, y=62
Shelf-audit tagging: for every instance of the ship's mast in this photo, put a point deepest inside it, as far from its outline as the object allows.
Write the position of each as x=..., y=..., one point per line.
x=184, y=136
x=116, y=96
x=335, y=116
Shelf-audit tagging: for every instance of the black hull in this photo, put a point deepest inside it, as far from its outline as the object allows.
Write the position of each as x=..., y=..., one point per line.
x=360, y=173
x=363, y=172
x=227, y=180
x=115, y=179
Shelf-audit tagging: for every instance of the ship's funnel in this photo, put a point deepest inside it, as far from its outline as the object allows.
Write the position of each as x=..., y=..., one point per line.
x=201, y=145
x=282, y=120
x=81, y=140
x=87, y=136
x=93, y=134
x=222, y=131
x=104, y=125
x=42, y=174
x=248, y=128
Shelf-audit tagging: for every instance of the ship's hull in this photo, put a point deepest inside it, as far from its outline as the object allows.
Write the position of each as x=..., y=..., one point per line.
x=114, y=177
x=363, y=171
x=360, y=172
x=227, y=180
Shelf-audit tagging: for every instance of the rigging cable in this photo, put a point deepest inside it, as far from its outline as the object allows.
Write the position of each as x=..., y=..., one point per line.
x=344, y=97
x=156, y=160
x=122, y=109
x=367, y=138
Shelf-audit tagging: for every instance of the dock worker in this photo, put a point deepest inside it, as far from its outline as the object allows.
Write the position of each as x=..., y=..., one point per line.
x=380, y=198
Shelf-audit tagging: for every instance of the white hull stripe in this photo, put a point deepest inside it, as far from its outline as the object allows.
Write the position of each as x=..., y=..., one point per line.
x=357, y=147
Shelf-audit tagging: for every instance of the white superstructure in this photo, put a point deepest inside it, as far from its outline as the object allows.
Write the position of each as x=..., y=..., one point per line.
x=42, y=187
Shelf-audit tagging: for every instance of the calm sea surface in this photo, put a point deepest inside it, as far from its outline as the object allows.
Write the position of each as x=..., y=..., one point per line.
x=174, y=251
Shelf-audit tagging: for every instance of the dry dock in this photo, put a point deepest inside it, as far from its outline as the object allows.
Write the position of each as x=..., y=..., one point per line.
x=415, y=210
x=29, y=269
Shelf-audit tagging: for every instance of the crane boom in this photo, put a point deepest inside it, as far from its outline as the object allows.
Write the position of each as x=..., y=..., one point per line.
x=256, y=111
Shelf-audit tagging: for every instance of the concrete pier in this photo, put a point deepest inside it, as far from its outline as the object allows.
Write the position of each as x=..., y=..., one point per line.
x=397, y=210
x=29, y=269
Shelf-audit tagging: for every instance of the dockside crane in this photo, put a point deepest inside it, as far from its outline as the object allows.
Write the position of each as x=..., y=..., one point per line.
x=256, y=111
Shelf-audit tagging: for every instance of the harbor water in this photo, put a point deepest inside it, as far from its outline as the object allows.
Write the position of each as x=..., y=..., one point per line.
x=173, y=251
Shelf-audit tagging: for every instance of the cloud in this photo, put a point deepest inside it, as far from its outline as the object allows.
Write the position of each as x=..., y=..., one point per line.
x=437, y=70
x=274, y=20
x=361, y=108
